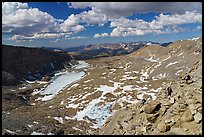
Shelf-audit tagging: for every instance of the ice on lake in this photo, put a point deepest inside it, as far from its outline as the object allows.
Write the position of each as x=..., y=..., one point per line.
x=82, y=64
x=61, y=80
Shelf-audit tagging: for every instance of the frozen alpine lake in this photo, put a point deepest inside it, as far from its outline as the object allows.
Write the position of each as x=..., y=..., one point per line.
x=61, y=80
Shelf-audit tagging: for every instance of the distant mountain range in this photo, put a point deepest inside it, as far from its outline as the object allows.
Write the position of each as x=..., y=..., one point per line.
x=97, y=46
x=108, y=49
x=72, y=49
x=105, y=50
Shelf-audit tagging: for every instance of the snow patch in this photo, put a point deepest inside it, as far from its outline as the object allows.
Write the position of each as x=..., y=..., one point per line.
x=52, y=65
x=172, y=63
x=160, y=76
x=128, y=87
x=69, y=118
x=88, y=80
x=195, y=38
x=38, y=133
x=144, y=76
x=58, y=119
x=180, y=54
x=72, y=106
x=166, y=58
x=75, y=128
x=151, y=59
x=177, y=73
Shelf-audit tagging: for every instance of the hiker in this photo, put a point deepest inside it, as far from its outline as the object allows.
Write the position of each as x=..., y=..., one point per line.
x=143, y=101
x=187, y=78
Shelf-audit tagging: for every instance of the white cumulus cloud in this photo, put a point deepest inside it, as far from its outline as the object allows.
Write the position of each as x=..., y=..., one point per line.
x=118, y=9
x=102, y=35
x=162, y=24
x=27, y=23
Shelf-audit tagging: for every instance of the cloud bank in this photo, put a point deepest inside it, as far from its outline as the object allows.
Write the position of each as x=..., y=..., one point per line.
x=27, y=23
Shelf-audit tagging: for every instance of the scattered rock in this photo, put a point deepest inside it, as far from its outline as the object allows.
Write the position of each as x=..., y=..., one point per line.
x=162, y=111
x=181, y=85
x=152, y=107
x=131, y=127
x=165, y=102
x=143, y=129
x=198, y=117
x=180, y=107
x=141, y=109
x=177, y=131
x=125, y=125
x=172, y=100
x=168, y=91
x=189, y=101
x=163, y=127
x=152, y=117
x=192, y=108
x=187, y=116
x=148, y=126
x=200, y=110
x=198, y=105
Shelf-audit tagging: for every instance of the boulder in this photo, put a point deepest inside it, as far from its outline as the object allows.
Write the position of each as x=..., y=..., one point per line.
x=131, y=127
x=181, y=85
x=177, y=131
x=189, y=101
x=163, y=127
x=187, y=116
x=162, y=111
x=152, y=117
x=200, y=110
x=148, y=126
x=192, y=108
x=165, y=102
x=125, y=125
x=172, y=100
x=198, y=117
x=198, y=105
x=152, y=107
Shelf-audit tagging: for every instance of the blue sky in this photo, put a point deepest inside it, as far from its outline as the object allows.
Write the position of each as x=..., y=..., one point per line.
x=63, y=25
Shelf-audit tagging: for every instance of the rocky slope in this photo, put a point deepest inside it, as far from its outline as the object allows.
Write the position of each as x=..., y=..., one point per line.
x=107, y=99
x=19, y=63
x=177, y=114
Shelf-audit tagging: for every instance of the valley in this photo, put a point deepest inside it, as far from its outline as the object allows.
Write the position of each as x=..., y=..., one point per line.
x=102, y=95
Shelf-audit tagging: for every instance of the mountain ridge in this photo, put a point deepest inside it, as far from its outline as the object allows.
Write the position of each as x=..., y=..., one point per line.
x=32, y=63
